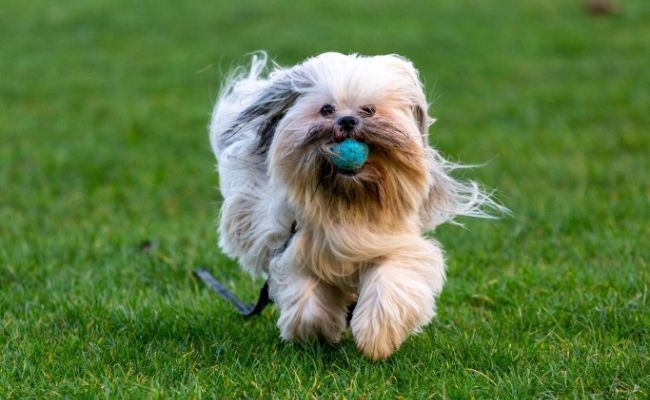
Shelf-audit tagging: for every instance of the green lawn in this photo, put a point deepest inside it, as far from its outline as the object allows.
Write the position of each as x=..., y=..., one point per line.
x=103, y=146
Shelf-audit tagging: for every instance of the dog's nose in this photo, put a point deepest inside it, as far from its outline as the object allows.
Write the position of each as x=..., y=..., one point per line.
x=348, y=122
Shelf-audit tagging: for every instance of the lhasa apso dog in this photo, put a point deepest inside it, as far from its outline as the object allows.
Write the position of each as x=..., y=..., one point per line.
x=329, y=184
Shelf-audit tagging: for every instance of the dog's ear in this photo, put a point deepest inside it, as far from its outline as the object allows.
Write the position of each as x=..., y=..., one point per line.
x=419, y=104
x=449, y=198
x=268, y=109
x=271, y=106
x=421, y=115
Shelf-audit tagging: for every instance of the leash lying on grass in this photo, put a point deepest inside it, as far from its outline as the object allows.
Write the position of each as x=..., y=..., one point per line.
x=246, y=310
x=262, y=300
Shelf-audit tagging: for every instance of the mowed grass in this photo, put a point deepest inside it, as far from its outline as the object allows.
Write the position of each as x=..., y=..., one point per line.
x=108, y=200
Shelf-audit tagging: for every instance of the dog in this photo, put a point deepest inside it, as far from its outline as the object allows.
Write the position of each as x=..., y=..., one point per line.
x=327, y=234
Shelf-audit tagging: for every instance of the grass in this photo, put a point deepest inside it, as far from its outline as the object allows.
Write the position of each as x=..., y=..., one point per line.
x=103, y=114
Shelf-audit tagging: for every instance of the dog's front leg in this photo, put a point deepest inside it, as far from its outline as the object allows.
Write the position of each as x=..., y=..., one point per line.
x=397, y=297
x=309, y=307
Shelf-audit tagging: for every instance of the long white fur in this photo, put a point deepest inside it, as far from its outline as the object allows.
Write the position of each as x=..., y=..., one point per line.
x=338, y=256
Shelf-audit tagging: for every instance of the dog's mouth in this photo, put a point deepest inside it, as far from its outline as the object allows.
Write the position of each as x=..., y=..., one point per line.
x=331, y=173
x=348, y=172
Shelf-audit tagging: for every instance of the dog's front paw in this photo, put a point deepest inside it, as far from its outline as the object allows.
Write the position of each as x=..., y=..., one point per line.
x=376, y=332
x=393, y=302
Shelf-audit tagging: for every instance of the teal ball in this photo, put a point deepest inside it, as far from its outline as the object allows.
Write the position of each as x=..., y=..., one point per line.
x=349, y=155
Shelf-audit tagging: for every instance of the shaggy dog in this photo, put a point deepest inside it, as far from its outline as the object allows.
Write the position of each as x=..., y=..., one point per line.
x=327, y=233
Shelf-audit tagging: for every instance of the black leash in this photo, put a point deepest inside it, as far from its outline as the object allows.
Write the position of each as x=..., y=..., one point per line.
x=262, y=300
x=246, y=310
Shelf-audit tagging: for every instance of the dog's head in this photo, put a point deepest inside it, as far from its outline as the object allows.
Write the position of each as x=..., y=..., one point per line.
x=377, y=101
x=301, y=113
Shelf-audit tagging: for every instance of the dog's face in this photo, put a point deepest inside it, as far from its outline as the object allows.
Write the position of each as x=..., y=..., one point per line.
x=376, y=100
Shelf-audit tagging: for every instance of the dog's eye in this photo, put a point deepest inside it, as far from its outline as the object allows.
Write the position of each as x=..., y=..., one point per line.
x=327, y=110
x=368, y=111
